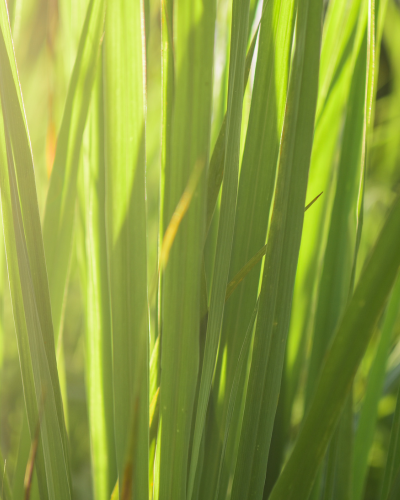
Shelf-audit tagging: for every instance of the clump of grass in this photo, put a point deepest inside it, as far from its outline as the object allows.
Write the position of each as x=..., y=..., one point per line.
x=237, y=326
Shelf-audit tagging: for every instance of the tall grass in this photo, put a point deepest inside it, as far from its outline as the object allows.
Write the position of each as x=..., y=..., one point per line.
x=193, y=319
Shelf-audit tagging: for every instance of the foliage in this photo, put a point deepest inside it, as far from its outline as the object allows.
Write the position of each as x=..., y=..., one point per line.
x=201, y=222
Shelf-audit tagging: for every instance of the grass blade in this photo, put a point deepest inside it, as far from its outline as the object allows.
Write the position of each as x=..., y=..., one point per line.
x=234, y=392
x=257, y=178
x=61, y=198
x=124, y=111
x=154, y=396
x=240, y=15
x=323, y=167
x=340, y=258
x=390, y=479
x=188, y=44
x=216, y=168
x=30, y=467
x=28, y=281
x=281, y=258
x=335, y=381
x=20, y=468
x=367, y=420
x=98, y=320
x=340, y=21
x=334, y=288
x=240, y=276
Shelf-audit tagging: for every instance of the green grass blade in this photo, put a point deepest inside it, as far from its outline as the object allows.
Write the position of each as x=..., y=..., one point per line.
x=395, y=489
x=341, y=253
x=154, y=380
x=257, y=178
x=98, y=320
x=239, y=35
x=168, y=97
x=367, y=420
x=335, y=381
x=216, y=168
x=334, y=288
x=234, y=392
x=338, y=473
x=340, y=20
x=3, y=288
x=392, y=467
x=22, y=460
x=321, y=178
x=28, y=282
x=188, y=44
x=254, y=197
x=281, y=258
x=154, y=391
x=241, y=275
x=61, y=198
x=340, y=258
x=124, y=111
x=252, y=12
x=4, y=481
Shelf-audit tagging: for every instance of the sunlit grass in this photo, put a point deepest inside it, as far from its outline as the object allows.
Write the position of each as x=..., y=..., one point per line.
x=182, y=315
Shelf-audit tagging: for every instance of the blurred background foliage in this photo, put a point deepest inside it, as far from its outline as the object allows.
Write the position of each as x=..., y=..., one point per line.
x=46, y=34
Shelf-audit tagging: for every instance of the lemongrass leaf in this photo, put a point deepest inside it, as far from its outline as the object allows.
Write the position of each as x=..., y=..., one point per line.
x=392, y=467
x=61, y=198
x=329, y=121
x=216, y=168
x=281, y=258
x=335, y=381
x=98, y=320
x=125, y=208
x=234, y=392
x=28, y=281
x=367, y=419
x=239, y=277
x=240, y=15
x=342, y=246
x=256, y=186
x=188, y=44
